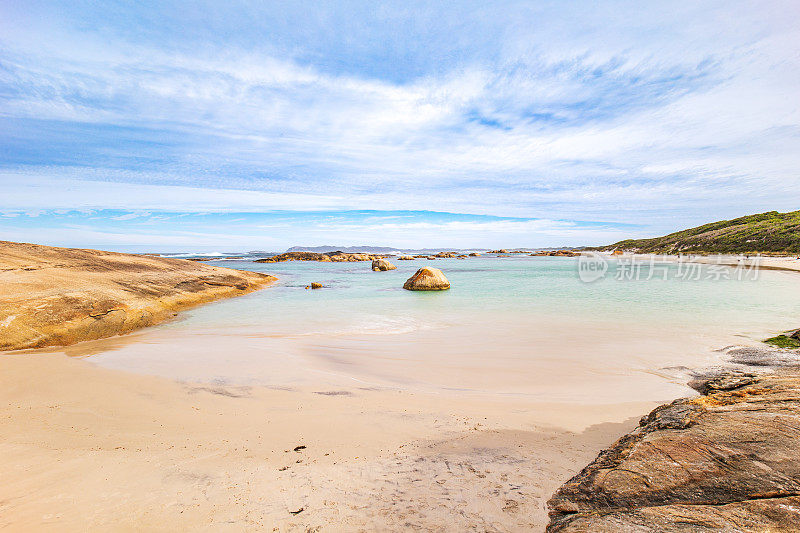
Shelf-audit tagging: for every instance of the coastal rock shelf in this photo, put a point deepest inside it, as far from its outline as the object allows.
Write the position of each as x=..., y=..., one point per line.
x=60, y=296
x=328, y=257
x=726, y=461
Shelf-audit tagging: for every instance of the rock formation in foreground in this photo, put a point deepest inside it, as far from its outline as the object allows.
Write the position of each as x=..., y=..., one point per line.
x=726, y=461
x=382, y=265
x=427, y=279
x=59, y=296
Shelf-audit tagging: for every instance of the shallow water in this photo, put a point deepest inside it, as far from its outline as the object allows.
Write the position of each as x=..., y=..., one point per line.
x=520, y=327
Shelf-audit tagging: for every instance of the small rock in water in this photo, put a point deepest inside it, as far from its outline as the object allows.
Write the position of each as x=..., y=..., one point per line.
x=382, y=265
x=315, y=286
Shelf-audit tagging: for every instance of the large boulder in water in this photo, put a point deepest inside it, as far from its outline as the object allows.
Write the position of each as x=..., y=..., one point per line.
x=427, y=279
x=382, y=265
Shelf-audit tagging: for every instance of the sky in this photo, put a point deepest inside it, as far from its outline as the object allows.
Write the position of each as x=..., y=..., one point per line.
x=244, y=125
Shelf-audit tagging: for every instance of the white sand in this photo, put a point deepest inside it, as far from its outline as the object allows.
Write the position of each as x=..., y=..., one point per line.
x=91, y=449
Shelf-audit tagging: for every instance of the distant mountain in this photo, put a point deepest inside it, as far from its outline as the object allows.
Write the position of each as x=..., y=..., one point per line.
x=770, y=232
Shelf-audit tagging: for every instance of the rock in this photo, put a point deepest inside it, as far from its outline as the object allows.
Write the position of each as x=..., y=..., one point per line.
x=382, y=265
x=726, y=461
x=335, y=257
x=500, y=251
x=59, y=296
x=555, y=253
x=765, y=357
x=474, y=254
x=430, y=257
x=427, y=279
x=316, y=285
x=721, y=380
x=406, y=258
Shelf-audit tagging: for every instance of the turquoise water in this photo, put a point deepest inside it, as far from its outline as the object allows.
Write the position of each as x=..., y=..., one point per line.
x=509, y=326
x=357, y=300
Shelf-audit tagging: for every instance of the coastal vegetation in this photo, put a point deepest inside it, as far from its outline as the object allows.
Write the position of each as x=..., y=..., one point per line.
x=764, y=233
x=784, y=341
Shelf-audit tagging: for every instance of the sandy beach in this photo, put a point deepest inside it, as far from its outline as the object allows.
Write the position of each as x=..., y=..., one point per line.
x=91, y=449
x=152, y=431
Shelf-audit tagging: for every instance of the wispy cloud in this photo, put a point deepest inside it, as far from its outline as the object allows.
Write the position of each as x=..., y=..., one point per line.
x=278, y=230
x=663, y=115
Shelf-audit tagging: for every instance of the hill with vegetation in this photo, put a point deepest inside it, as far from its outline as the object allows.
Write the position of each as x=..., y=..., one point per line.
x=769, y=233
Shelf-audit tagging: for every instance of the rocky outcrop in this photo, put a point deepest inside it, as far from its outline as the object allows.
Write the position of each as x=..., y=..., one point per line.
x=427, y=279
x=474, y=254
x=315, y=285
x=406, y=258
x=382, y=265
x=500, y=251
x=58, y=296
x=335, y=257
x=555, y=253
x=728, y=460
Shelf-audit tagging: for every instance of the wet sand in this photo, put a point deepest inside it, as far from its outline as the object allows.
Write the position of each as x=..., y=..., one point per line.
x=85, y=448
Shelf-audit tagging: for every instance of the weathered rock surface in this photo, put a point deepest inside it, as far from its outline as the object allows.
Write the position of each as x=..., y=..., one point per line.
x=316, y=285
x=382, y=265
x=763, y=357
x=726, y=461
x=556, y=253
x=406, y=258
x=427, y=279
x=58, y=296
x=336, y=257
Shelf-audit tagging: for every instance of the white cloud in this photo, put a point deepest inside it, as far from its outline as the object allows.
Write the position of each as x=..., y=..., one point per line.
x=602, y=111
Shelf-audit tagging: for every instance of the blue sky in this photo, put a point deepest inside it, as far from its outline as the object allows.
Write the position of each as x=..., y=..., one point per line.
x=255, y=125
